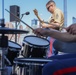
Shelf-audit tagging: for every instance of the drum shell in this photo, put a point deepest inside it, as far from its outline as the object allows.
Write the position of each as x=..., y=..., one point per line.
x=11, y=55
x=34, y=51
x=34, y=46
x=13, y=51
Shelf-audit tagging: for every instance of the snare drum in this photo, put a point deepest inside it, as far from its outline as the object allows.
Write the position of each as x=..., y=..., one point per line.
x=34, y=46
x=13, y=50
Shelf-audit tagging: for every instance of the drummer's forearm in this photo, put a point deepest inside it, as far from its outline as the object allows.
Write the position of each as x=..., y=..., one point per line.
x=62, y=36
x=53, y=25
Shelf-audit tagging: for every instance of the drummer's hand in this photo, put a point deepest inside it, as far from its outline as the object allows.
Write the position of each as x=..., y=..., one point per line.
x=71, y=29
x=44, y=25
x=40, y=32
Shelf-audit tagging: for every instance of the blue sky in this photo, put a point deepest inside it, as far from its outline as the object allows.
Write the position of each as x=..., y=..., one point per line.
x=40, y=5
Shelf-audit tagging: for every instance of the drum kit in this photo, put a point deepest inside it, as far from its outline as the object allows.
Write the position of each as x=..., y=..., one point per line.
x=34, y=48
x=34, y=52
x=33, y=56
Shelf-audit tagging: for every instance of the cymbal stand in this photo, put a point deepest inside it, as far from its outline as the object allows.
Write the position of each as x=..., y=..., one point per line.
x=19, y=21
x=3, y=45
x=3, y=50
x=16, y=34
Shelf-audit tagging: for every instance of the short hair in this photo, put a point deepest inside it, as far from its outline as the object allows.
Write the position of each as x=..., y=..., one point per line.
x=51, y=1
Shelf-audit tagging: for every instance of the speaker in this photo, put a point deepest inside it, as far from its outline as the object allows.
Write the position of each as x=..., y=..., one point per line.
x=16, y=11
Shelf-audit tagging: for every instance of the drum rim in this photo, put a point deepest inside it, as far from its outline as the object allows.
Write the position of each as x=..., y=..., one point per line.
x=37, y=37
x=15, y=43
x=32, y=60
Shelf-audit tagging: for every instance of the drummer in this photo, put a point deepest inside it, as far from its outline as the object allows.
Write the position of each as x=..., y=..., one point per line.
x=56, y=20
x=63, y=64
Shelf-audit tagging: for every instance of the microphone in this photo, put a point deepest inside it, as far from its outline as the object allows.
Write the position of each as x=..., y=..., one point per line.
x=26, y=13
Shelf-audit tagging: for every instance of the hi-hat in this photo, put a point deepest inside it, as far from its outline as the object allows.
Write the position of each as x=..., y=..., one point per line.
x=5, y=30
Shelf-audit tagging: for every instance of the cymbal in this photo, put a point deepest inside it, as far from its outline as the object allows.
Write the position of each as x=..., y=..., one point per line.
x=5, y=30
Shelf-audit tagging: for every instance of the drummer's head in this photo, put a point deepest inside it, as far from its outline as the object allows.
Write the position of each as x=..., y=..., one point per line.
x=51, y=6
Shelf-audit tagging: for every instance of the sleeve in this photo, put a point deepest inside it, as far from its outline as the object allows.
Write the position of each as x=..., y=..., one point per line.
x=57, y=17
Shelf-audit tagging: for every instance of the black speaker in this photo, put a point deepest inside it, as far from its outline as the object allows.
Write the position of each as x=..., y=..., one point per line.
x=16, y=11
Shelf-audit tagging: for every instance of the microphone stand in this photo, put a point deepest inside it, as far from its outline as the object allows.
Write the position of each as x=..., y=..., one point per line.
x=16, y=28
x=19, y=21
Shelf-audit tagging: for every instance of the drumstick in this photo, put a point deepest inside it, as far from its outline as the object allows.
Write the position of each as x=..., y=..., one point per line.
x=36, y=13
x=19, y=19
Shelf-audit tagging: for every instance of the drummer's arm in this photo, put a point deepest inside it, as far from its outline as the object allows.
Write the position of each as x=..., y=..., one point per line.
x=53, y=25
x=63, y=36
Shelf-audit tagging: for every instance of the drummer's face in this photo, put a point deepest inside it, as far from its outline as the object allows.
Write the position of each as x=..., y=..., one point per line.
x=50, y=7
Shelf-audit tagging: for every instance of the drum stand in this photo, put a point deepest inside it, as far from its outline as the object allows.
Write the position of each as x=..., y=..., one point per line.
x=3, y=50
x=3, y=44
x=29, y=66
x=9, y=63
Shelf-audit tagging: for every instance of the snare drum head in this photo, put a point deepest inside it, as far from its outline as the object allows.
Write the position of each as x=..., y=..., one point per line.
x=12, y=44
x=36, y=41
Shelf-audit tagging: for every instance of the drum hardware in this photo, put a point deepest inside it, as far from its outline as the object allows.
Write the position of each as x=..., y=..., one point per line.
x=3, y=49
x=19, y=69
x=32, y=66
x=9, y=63
x=4, y=44
x=5, y=30
x=20, y=54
